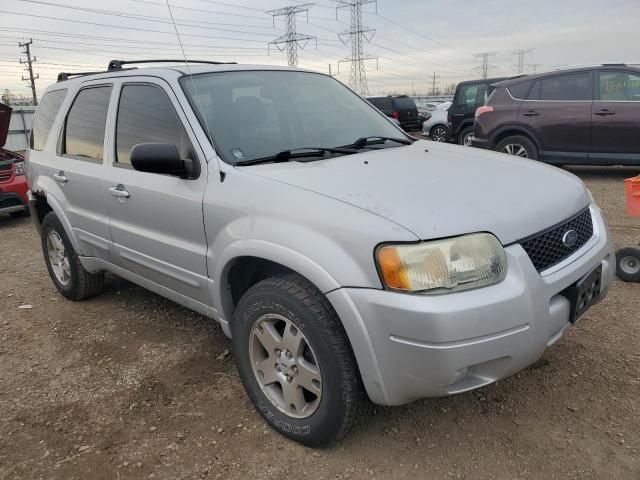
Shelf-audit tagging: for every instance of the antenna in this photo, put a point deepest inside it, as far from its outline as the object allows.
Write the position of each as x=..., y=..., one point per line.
x=204, y=118
x=292, y=40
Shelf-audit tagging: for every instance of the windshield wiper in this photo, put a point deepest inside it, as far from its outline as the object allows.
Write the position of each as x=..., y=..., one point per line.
x=296, y=153
x=364, y=142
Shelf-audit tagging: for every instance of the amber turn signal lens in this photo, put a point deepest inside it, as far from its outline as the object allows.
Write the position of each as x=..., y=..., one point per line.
x=393, y=271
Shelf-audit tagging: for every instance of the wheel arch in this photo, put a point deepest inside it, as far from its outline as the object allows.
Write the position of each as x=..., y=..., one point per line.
x=512, y=130
x=40, y=204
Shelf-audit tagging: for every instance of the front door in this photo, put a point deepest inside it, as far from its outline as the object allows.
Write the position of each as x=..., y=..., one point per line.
x=156, y=221
x=615, y=136
x=558, y=112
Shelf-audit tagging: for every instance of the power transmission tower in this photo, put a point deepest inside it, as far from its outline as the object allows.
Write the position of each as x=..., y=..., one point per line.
x=485, y=67
x=534, y=67
x=29, y=68
x=521, y=54
x=292, y=40
x=357, y=35
x=433, y=83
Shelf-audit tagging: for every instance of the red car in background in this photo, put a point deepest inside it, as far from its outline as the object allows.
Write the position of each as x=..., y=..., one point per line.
x=13, y=181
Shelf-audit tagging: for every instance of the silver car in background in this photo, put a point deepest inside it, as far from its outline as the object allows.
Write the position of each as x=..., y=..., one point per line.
x=436, y=126
x=347, y=261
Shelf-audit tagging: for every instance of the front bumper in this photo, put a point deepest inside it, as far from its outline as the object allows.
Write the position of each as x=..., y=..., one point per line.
x=479, y=142
x=13, y=195
x=412, y=346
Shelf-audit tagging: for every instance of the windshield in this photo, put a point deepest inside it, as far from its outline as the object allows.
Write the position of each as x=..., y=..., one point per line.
x=256, y=114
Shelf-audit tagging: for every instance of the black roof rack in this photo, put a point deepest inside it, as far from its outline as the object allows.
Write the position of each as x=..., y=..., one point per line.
x=117, y=64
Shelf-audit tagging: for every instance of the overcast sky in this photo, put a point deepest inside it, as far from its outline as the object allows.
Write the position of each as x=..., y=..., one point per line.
x=413, y=38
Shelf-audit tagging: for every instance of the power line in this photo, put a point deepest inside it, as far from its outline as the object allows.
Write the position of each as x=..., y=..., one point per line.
x=485, y=67
x=291, y=40
x=28, y=62
x=357, y=35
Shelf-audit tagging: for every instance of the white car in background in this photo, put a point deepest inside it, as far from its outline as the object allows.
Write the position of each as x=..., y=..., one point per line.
x=436, y=125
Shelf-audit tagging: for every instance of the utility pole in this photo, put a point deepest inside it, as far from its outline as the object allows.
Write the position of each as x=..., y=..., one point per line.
x=29, y=68
x=357, y=35
x=485, y=67
x=433, y=83
x=292, y=40
x=521, y=54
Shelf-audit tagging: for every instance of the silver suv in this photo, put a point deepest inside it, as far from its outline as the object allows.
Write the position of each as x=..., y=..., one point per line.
x=345, y=260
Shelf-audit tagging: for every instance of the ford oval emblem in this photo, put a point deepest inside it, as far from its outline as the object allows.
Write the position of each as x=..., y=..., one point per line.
x=570, y=238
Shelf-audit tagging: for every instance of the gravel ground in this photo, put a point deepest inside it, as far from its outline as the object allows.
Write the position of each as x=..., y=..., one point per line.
x=130, y=385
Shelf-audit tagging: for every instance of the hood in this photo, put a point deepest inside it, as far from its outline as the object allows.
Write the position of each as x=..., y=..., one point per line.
x=437, y=190
x=5, y=119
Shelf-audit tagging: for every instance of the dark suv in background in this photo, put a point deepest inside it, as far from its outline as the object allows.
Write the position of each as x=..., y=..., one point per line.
x=400, y=107
x=468, y=97
x=586, y=115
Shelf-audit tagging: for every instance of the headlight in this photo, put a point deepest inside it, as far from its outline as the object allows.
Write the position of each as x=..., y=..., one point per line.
x=443, y=266
x=19, y=168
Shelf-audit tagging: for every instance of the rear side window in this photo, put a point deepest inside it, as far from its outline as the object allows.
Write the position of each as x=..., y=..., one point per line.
x=146, y=115
x=84, y=129
x=619, y=87
x=519, y=90
x=45, y=116
x=472, y=96
x=576, y=86
x=382, y=103
x=404, y=103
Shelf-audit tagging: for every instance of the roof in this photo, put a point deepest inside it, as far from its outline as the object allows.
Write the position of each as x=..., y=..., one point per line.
x=575, y=69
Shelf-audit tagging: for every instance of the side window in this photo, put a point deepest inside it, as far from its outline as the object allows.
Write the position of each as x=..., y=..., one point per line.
x=45, y=116
x=146, y=115
x=575, y=86
x=619, y=86
x=467, y=96
x=519, y=90
x=84, y=128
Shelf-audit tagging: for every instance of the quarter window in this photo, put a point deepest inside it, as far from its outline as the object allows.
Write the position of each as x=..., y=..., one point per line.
x=84, y=129
x=575, y=86
x=45, y=116
x=146, y=115
x=519, y=90
x=619, y=86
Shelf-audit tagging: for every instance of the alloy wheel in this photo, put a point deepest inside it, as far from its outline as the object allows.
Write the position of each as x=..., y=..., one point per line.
x=439, y=134
x=58, y=258
x=515, y=149
x=285, y=366
x=630, y=265
x=467, y=140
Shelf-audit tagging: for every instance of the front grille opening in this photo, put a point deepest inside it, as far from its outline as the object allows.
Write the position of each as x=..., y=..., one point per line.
x=546, y=249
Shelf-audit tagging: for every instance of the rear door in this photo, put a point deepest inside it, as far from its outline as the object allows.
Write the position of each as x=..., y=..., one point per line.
x=467, y=99
x=407, y=110
x=77, y=167
x=156, y=221
x=558, y=113
x=615, y=135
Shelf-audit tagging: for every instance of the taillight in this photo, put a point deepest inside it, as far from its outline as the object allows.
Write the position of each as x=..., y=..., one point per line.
x=396, y=115
x=484, y=109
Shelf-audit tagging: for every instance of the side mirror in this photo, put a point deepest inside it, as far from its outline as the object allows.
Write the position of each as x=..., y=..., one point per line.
x=162, y=158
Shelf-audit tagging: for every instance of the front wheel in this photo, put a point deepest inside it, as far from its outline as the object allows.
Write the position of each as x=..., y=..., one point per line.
x=439, y=133
x=295, y=362
x=628, y=264
x=519, y=146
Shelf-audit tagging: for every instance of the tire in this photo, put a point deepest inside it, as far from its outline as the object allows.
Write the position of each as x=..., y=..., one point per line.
x=464, y=137
x=290, y=306
x=439, y=133
x=21, y=214
x=79, y=283
x=628, y=264
x=518, y=145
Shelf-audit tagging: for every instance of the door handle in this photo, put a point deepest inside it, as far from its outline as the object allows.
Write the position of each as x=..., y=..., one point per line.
x=604, y=112
x=60, y=177
x=119, y=191
x=531, y=113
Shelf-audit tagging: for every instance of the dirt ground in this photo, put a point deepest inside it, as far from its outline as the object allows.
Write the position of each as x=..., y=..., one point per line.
x=129, y=385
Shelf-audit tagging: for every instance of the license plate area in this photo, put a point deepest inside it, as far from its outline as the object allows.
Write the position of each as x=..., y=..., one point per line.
x=584, y=294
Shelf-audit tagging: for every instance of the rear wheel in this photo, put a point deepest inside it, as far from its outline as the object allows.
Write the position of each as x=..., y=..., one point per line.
x=465, y=136
x=295, y=362
x=519, y=146
x=439, y=133
x=628, y=264
x=65, y=269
